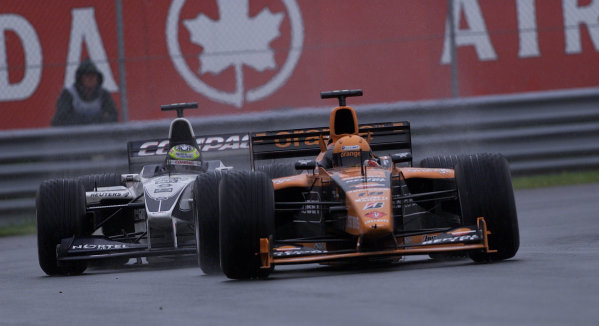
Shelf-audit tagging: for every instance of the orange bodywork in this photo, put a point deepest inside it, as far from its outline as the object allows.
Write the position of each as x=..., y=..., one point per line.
x=416, y=248
x=368, y=212
x=410, y=173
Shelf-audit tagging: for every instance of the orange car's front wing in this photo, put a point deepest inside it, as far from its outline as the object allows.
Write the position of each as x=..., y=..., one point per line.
x=420, y=247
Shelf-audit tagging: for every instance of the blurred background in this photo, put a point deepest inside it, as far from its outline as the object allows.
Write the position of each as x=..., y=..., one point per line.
x=519, y=77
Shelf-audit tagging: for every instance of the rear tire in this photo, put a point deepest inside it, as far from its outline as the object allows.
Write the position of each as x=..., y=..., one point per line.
x=207, y=228
x=485, y=190
x=60, y=213
x=277, y=170
x=246, y=215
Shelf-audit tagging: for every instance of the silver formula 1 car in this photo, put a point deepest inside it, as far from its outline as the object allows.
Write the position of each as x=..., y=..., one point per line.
x=154, y=213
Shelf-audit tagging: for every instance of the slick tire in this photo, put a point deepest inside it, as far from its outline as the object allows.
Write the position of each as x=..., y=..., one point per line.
x=440, y=162
x=451, y=219
x=92, y=181
x=485, y=190
x=277, y=170
x=246, y=215
x=60, y=213
x=205, y=194
x=120, y=222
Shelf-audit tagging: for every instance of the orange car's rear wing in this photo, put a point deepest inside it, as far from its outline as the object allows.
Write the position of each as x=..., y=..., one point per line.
x=385, y=138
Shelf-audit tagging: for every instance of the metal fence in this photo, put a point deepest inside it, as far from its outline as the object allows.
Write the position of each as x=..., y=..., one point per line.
x=538, y=133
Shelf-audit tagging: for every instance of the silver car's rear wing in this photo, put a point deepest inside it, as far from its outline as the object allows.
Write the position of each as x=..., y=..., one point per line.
x=232, y=149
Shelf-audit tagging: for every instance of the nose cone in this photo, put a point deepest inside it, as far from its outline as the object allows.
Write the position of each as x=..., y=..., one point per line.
x=369, y=208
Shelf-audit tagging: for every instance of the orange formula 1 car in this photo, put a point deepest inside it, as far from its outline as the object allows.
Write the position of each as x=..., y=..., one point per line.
x=360, y=200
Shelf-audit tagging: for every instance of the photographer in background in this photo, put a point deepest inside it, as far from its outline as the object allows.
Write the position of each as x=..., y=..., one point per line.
x=85, y=102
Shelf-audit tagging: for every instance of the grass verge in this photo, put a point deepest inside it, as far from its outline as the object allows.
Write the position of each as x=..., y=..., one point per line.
x=27, y=227
x=554, y=180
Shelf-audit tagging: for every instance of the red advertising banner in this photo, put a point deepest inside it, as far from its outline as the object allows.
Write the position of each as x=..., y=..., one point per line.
x=241, y=56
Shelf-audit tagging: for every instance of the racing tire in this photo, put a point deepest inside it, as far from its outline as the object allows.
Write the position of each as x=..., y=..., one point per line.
x=277, y=170
x=91, y=181
x=117, y=224
x=246, y=215
x=207, y=224
x=60, y=213
x=485, y=190
x=442, y=162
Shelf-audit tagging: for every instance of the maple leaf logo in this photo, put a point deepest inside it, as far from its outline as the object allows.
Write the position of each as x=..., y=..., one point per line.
x=236, y=39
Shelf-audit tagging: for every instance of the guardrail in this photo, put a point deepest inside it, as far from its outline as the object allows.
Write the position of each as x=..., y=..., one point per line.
x=537, y=132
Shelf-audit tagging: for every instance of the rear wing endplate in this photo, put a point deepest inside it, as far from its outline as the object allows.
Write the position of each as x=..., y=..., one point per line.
x=385, y=138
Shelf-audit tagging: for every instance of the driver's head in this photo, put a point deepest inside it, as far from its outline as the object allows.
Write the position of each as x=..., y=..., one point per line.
x=350, y=151
x=184, y=152
x=184, y=156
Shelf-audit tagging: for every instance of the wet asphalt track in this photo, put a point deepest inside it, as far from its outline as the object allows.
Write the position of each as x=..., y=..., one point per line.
x=553, y=280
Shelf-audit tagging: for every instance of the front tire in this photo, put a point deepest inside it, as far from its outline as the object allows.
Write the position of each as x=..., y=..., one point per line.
x=207, y=225
x=60, y=213
x=485, y=189
x=118, y=224
x=246, y=215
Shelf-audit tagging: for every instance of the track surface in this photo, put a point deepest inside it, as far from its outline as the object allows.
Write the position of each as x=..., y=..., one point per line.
x=553, y=280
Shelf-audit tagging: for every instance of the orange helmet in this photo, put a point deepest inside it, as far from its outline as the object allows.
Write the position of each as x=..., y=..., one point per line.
x=351, y=150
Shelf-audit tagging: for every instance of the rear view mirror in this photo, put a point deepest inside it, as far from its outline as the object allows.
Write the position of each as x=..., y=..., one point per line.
x=401, y=157
x=305, y=165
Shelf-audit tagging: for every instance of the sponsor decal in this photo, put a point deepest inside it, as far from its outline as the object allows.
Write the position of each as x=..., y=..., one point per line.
x=206, y=144
x=350, y=154
x=441, y=171
x=460, y=232
x=403, y=155
x=298, y=252
x=99, y=246
x=373, y=205
x=350, y=148
x=353, y=223
x=367, y=186
x=371, y=199
x=108, y=194
x=296, y=138
x=362, y=179
x=311, y=197
x=184, y=162
x=429, y=237
x=450, y=239
x=375, y=214
x=282, y=180
x=377, y=221
x=370, y=193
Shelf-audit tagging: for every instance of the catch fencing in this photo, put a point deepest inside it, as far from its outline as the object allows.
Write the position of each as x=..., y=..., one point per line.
x=537, y=132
